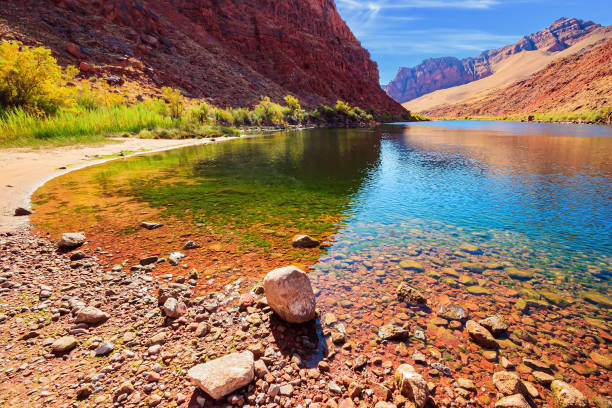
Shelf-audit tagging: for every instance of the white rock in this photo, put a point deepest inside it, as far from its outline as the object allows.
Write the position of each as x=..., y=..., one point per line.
x=174, y=309
x=71, y=240
x=91, y=316
x=289, y=293
x=224, y=375
x=411, y=385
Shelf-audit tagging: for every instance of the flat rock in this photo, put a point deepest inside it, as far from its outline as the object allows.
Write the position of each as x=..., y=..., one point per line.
x=224, y=375
x=409, y=294
x=289, y=293
x=480, y=335
x=411, y=385
x=567, y=396
x=148, y=260
x=71, y=240
x=91, y=316
x=150, y=225
x=411, y=265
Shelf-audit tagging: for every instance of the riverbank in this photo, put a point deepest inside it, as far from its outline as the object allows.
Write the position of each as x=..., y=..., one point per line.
x=23, y=170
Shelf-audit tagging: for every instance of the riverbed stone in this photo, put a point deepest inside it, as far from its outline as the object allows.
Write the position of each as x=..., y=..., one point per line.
x=71, y=240
x=508, y=383
x=224, y=375
x=409, y=294
x=452, y=312
x=174, y=308
x=411, y=265
x=411, y=385
x=567, y=396
x=513, y=401
x=494, y=324
x=480, y=335
x=393, y=332
x=289, y=293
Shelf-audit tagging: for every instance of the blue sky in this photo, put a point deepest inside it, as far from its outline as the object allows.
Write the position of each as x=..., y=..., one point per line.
x=404, y=32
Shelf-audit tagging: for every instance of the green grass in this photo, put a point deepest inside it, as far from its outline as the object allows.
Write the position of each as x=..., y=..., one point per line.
x=18, y=128
x=144, y=120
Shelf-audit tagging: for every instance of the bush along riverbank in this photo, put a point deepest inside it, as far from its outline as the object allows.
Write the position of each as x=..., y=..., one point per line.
x=42, y=103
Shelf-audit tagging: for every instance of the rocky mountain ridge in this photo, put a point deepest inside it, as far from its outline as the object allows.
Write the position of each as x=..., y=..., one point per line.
x=229, y=51
x=576, y=83
x=440, y=73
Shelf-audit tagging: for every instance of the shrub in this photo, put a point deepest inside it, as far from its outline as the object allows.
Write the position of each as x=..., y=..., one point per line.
x=293, y=112
x=175, y=102
x=240, y=116
x=343, y=108
x=224, y=116
x=31, y=79
x=201, y=113
x=90, y=98
x=269, y=112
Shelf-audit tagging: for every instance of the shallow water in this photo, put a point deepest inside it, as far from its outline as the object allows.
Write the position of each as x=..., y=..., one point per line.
x=501, y=217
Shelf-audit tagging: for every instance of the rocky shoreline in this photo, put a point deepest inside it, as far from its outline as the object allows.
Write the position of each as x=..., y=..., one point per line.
x=78, y=330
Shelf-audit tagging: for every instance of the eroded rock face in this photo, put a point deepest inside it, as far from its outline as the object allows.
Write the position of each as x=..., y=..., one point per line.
x=224, y=375
x=229, y=51
x=567, y=396
x=440, y=73
x=411, y=385
x=290, y=295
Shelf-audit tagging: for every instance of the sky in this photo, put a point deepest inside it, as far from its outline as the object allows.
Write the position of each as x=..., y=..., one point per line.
x=402, y=33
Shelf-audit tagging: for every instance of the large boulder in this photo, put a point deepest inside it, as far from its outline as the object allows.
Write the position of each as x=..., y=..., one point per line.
x=290, y=294
x=224, y=375
x=411, y=385
x=71, y=240
x=568, y=396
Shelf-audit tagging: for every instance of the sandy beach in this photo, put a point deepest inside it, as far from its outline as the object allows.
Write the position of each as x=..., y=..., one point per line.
x=22, y=171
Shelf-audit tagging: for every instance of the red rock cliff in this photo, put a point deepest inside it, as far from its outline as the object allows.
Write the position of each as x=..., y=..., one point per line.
x=231, y=51
x=440, y=73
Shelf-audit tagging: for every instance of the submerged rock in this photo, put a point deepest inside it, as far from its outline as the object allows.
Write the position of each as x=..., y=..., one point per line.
x=411, y=265
x=411, y=385
x=289, y=293
x=452, y=312
x=304, y=241
x=71, y=240
x=409, y=294
x=224, y=375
